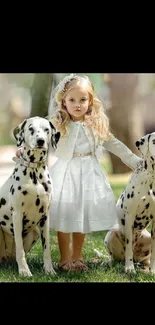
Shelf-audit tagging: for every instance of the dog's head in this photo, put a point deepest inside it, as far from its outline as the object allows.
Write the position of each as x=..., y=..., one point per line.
x=146, y=145
x=36, y=132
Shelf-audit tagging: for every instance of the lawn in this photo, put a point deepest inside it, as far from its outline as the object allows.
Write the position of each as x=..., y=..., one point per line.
x=99, y=268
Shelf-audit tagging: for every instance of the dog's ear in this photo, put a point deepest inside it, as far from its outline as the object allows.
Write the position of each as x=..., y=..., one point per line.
x=18, y=133
x=143, y=144
x=55, y=136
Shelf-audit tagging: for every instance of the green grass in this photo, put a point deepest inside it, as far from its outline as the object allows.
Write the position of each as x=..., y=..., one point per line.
x=99, y=268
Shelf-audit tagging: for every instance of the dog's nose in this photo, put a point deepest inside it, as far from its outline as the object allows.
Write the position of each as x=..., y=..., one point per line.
x=40, y=142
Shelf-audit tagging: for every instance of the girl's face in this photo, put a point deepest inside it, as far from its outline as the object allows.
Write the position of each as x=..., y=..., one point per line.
x=77, y=103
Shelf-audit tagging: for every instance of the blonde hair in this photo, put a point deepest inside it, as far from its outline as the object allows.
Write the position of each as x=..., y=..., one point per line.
x=95, y=117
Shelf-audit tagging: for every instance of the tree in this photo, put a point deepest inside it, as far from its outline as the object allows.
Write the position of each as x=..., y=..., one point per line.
x=123, y=120
x=41, y=90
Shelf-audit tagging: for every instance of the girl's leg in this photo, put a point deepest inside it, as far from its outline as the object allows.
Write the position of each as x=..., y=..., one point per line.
x=64, y=246
x=77, y=244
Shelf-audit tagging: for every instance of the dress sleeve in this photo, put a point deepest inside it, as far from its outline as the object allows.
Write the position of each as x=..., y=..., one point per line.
x=119, y=149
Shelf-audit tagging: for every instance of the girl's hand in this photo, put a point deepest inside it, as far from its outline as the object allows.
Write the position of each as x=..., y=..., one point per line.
x=19, y=152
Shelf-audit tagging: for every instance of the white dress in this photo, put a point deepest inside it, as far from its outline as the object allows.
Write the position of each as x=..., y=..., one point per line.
x=83, y=200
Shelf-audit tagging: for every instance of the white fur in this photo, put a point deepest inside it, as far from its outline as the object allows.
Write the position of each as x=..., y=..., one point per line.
x=25, y=197
x=136, y=211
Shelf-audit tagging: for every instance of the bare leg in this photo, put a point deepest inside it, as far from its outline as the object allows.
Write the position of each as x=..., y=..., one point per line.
x=64, y=247
x=77, y=244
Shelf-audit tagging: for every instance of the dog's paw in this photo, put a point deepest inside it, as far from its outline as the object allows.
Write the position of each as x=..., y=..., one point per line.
x=25, y=272
x=48, y=267
x=130, y=269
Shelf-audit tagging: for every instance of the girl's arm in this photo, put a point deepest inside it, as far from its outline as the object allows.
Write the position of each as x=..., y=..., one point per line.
x=123, y=152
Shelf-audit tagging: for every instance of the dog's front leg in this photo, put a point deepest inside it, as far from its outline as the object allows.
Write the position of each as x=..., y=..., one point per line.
x=129, y=266
x=20, y=254
x=44, y=230
x=152, y=259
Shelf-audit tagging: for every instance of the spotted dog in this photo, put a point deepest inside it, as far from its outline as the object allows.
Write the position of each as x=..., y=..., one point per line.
x=130, y=240
x=25, y=197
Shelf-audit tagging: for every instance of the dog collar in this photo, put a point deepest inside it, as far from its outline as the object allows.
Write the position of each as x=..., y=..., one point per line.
x=26, y=163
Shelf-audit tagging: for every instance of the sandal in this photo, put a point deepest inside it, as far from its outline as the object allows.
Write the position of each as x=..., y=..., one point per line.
x=66, y=266
x=79, y=265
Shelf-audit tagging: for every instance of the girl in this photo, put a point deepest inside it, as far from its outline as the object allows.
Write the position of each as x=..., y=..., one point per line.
x=83, y=200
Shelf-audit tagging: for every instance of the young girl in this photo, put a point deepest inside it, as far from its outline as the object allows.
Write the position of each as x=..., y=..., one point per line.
x=83, y=200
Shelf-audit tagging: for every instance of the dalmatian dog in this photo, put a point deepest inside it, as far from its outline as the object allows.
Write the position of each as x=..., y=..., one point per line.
x=25, y=197
x=130, y=239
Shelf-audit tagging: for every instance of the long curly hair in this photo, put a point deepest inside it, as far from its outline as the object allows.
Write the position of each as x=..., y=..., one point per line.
x=95, y=117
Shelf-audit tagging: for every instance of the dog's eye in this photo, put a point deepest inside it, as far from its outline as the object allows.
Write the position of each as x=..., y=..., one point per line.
x=47, y=130
x=31, y=130
x=153, y=141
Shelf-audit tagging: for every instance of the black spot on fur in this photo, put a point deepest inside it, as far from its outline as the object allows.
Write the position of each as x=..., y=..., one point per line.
x=127, y=241
x=145, y=165
x=42, y=239
x=147, y=205
x=3, y=201
x=41, y=210
x=28, y=153
x=45, y=186
x=42, y=221
x=25, y=221
x=34, y=178
x=123, y=222
x=135, y=224
x=6, y=217
x=24, y=192
x=25, y=171
x=128, y=196
x=40, y=176
x=13, y=190
x=48, y=182
x=32, y=158
x=19, y=188
x=37, y=201
x=11, y=229
x=3, y=223
x=17, y=178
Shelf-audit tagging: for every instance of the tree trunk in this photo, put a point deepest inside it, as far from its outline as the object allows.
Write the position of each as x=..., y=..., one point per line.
x=40, y=91
x=125, y=125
